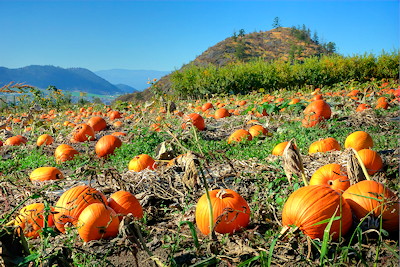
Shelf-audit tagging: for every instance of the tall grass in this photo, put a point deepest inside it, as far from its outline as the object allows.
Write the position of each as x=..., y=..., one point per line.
x=244, y=78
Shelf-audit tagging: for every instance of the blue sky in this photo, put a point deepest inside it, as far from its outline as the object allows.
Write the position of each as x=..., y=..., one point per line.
x=164, y=35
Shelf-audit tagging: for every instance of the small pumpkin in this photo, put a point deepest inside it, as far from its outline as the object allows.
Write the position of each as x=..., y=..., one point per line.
x=107, y=145
x=32, y=218
x=309, y=205
x=221, y=113
x=362, y=107
x=371, y=197
x=279, y=148
x=82, y=132
x=124, y=202
x=371, y=159
x=359, y=140
x=196, y=119
x=46, y=174
x=239, y=136
x=15, y=140
x=330, y=175
x=324, y=145
x=206, y=106
x=230, y=212
x=257, y=130
x=44, y=139
x=64, y=153
x=72, y=202
x=142, y=162
x=114, y=115
x=97, y=123
x=97, y=221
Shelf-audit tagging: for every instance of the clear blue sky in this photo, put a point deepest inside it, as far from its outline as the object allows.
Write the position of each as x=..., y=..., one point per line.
x=164, y=35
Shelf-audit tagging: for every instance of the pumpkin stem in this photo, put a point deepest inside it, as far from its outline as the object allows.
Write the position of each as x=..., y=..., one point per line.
x=221, y=193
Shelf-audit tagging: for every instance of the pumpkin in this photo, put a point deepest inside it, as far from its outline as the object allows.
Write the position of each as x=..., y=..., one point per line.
x=206, y=106
x=106, y=145
x=118, y=134
x=32, y=218
x=239, y=135
x=124, y=202
x=359, y=140
x=230, y=212
x=44, y=139
x=142, y=162
x=279, y=148
x=362, y=198
x=114, y=115
x=371, y=159
x=330, y=175
x=82, y=132
x=362, y=107
x=97, y=221
x=382, y=103
x=324, y=145
x=97, y=123
x=320, y=108
x=257, y=130
x=64, y=153
x=15, y=140
x=221, y=113
x=196, y=119
x=72, y=202
x=311, y=120
x=45, y=174
x=309, y=205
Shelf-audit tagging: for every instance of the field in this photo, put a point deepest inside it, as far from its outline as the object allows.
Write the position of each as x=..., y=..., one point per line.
x=168, y=233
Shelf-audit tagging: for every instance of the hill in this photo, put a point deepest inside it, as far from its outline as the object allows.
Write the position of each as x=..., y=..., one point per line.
x=287, y=44
x=135, y=78
x=71, y=79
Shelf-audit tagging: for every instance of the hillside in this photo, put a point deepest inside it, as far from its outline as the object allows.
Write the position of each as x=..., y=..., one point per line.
x=135, y=78
x=71, y=79
x=282, y=43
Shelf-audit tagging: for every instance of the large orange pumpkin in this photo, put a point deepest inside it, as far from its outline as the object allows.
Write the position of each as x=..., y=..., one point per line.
x=230, y=212
x=206, y=106
x=106, y=145
x=239, y=135
x=97, y=123
x=45, y=174
x=320, y=108
x=330, y=175
x=97, y=221
x=324, y=145
x=196, y=119
x=363, y=200
x=359, y=140
x=64, y=153
x=142, y=162
x=15, y=140
x=257, y=130
x=371, y=159
x=221, y=113
x=32, y=218
x=82, y=132
x=72, y=202
x=44, y=139
x=124, y=202
x=309, y=205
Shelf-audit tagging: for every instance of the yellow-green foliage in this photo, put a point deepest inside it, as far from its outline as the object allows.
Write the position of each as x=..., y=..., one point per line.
x=246, y=77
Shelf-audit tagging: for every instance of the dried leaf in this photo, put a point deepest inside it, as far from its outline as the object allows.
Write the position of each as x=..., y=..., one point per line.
x=292, y=162
x=164, y=151
x=188, y=163
x=354, y=169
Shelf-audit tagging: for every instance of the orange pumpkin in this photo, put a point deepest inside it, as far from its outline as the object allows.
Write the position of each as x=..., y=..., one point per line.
x=142, y=162
x=221, y=113
x=82, y=132
x=324, y=145
x=44, y=139
x=46, y=174
x=330, y=175
x=32, y=218
x=257, y=130
x=107, y=145
x=320, y=108
x=206, y=106
x=239, y=136
x=279, y=148
x=196, y=119
x=372, y=198
x=15, y=140
x=371, y=159
x=72, y=202
x=309, y=205
x=64, y=153
x=382, y=103
x=124, y=202
x=359, y=140
x=230, y=212
x=362, y=107
x=97, y=123
x=97, y=221
x=114, y=115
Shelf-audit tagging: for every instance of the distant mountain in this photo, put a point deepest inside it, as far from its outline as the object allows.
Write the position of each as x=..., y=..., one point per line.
x=136, y=78
x=71, y=79
x=126, y=88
